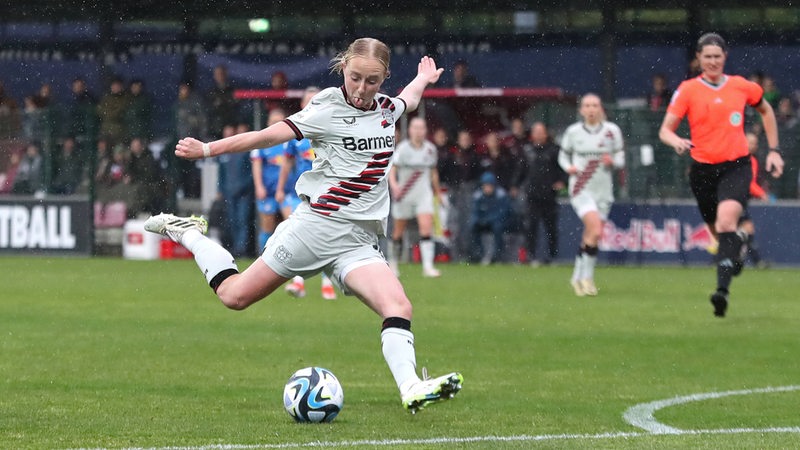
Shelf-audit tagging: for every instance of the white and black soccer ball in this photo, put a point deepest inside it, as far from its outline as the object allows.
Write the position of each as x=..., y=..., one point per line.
x=313, y=394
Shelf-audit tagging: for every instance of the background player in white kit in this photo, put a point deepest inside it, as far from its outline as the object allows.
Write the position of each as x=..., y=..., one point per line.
x=414, y=184
x=590, y=149
x=344, y=210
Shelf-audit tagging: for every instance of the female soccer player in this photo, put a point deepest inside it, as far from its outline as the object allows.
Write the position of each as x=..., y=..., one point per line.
x=345, y=207
x=266, y=165
x=414, y=184
x=589, y=150
x=720, y=173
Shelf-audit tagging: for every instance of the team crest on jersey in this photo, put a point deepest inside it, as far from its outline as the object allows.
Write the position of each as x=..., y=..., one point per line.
x=736, y=118
x=282, y=254
x=388, y=117
x=349, y=120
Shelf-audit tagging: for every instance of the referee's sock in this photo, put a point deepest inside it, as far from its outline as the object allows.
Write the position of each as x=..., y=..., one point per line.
x=727, y=259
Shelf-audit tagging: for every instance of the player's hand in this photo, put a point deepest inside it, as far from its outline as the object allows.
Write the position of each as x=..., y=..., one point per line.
x=280, y=196
x=608, y=161
x=774, y=164
x=427, y=69
x=682, y=146
x=261, y=192
x=189, y=148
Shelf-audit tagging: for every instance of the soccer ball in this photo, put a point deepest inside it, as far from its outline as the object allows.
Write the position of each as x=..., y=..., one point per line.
x=313, y=394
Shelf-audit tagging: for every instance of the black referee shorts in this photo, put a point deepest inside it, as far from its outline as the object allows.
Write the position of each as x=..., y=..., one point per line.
x=713, y=183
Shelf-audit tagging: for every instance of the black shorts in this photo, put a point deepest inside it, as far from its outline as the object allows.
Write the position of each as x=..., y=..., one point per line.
x=713, y=183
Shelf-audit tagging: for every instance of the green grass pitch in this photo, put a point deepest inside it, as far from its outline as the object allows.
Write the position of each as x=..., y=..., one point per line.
x=112, y=353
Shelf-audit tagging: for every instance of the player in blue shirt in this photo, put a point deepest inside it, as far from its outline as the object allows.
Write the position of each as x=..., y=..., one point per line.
x=266, y=163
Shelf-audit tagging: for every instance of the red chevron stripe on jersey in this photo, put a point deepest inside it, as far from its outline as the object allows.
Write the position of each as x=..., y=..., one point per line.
x=352, y=188
x=584, y=176
x=410, y=182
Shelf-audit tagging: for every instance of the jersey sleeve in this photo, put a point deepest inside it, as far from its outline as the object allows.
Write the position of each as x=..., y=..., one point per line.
x=754, y=92
x=255, y=154
x=679, y=104
x=565, y=153
x=311, y=122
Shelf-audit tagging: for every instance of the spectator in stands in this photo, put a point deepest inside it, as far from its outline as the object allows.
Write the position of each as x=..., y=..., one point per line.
x=497, y=159
x=462, y=169
x=10, y=173
x=139, y=115
x=67, y=169
x=786, y=115
x=544, y=179
x=771, y=92
x=82, y=119
x=190, y=120
x=143, y=175
x=222, y=108
x=29, y=178
x=111, y=111
x=37, y=120
x=489, y=213
x=659, y=95
x=9, y=114
x=462, y=78
x=517, y=137
x=278, y=81
x=236, y=190
x=102, y=175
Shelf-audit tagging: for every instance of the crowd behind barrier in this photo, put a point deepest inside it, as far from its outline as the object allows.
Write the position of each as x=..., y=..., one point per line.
x=110, y=149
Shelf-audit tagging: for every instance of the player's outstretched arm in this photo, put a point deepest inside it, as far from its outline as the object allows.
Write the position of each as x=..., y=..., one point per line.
x=427, y=73
x=191, y=148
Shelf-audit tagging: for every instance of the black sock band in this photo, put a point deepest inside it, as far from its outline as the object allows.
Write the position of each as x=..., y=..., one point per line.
x=591, y=251
x=396, y=322
x=424, y=238
x=220, y=277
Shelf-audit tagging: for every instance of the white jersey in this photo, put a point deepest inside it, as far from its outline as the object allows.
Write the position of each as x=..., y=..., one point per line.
x=584, y=148
x=414, y=166
x=353, y=151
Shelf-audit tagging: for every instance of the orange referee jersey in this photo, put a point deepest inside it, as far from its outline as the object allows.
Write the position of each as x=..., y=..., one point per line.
x=716, y=116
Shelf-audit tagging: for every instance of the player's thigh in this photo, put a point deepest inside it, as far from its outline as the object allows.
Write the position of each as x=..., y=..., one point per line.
x=377, y=287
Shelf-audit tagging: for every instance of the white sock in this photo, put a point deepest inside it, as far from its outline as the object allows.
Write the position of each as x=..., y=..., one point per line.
x=326, y=280
x=588, y=266
x=426, y=250
x=299, y=280
x=211, y=257
x=577, y=272
x=396, y=251
x=398, y=351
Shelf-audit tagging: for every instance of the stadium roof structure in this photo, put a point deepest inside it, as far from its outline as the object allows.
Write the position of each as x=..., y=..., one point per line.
x=59, y=10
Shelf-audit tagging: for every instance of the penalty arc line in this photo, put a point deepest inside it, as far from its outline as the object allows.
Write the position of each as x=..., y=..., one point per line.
x=643, y=415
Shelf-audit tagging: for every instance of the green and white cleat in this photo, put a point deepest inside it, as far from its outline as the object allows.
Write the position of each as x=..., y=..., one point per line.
x=173, y=226
x=430, y=391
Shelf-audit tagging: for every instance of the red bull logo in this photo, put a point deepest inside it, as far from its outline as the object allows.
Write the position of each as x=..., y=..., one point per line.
x=697, y=237
x=642, y=236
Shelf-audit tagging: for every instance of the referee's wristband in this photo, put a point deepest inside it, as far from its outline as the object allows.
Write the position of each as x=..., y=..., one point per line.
x=206, y=150
x=777, y=150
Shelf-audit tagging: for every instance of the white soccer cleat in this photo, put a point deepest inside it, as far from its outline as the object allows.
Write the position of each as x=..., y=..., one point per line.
x=577, y=286
x=173, y=226
x=588, y=287
x=430, y=391
x=431, y=273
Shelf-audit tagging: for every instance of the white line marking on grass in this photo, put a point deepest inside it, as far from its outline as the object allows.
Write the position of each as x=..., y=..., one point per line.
x=642, y=415
x=467, y=440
